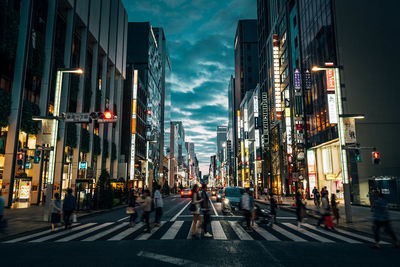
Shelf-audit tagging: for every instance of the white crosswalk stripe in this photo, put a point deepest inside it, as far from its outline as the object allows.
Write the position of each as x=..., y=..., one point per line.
x=218, y=232
x=264, y=233
x=359, y=236
x=241, y=233
x=190, y=233
x=145, y=236
x=348, y=240
x=310, y=234
x=127, y=232
x=104, y=233
x=115, y=231
x=88, y=231
x=173, y=230
x=45, y=238
x=288, y=234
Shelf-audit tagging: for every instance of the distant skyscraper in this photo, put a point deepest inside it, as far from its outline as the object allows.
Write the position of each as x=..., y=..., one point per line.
x=221, y=142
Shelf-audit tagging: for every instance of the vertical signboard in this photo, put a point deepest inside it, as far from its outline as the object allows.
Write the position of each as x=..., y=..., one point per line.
x=277, y=78
x=297, y=80
x=350, y=130
x=330, y=80
x=133, y=137
x=307, y=80
x=332, y=111
x=312, y=169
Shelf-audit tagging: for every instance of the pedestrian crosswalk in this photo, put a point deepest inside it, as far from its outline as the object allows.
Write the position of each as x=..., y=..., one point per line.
x=220, y=229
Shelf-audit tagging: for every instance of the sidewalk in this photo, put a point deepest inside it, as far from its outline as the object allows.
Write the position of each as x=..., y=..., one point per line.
x=362, y=216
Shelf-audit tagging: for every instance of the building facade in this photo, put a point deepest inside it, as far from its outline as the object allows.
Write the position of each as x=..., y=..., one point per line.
x=90, y=35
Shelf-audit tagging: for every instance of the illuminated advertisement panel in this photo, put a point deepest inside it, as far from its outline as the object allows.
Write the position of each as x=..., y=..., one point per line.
x=330, y=80
x=277, y=79
x=332, y=111
x=133, y=137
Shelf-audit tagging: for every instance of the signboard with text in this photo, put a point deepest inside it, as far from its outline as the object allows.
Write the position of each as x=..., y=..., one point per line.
x=330, y=80
x=332, y=111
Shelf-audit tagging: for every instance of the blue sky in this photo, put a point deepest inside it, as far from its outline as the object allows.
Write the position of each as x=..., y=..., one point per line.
x=200, y=37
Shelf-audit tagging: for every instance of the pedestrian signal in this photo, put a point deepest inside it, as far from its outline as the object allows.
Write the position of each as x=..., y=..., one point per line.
x=36, y=158
x=357, y=155
x=376, y=157
x=20, y=159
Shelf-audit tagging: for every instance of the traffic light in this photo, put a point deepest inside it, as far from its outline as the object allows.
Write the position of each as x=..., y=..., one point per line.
x=357, y=155
x=107, y=115
x=376, y=157
x=20, y=159
x=36, y=158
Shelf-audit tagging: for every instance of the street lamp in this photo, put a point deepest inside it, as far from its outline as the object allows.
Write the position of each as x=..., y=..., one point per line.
x=54, y=132
x=147, y=160
x=335, y=82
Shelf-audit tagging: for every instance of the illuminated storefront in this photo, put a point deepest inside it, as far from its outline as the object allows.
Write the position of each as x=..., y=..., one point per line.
x=324, y=168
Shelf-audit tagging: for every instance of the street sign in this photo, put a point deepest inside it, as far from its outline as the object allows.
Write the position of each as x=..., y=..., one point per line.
x=77, y=117
x=82, y=165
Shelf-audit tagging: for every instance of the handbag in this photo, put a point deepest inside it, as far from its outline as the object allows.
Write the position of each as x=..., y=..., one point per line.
x=74, y=218
x=130, y=210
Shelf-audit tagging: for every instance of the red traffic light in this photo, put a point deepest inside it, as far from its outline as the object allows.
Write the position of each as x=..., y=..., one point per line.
x=108, y=115
x=20, y=156
x=376, y=155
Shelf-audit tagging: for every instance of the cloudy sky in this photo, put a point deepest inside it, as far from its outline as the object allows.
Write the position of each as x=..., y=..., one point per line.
x=200, y=37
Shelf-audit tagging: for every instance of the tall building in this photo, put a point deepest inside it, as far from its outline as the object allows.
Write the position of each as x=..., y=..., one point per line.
x=231, y=132
x=246, y=68
x=298, y=35
x=147, y=56
x=42, y=37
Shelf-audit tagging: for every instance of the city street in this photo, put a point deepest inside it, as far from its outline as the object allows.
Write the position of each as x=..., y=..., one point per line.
x=107, y=239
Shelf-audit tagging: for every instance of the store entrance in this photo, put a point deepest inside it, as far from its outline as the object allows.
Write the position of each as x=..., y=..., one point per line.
x=84, y=194
x=22, y=192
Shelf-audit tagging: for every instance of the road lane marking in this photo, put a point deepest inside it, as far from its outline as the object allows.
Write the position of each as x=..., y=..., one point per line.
x=179, y=213
x=358, y=236
x=348, y=240
x=173, y=230
x=265, y=234
x=61, y=233
x=310, y=234
x=88, y=231
x=123, y=218
x=241, y=233
x=218, y=232
x=189, y=236
x=288, y=234
x=104, y=233
x=145, y=236
x=35, y=235
x=127, y=232
x=286, y=218
x=212, y=205
x=168, y=259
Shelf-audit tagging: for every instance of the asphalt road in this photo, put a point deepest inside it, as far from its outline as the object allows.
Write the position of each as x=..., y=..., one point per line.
x=107, y=239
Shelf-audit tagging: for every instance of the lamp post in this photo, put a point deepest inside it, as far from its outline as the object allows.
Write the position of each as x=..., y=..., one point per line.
x=147, y=160
x=54, y=132
x=334, y=82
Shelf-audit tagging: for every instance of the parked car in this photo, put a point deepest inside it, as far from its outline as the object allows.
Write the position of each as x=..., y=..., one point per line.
x=231, y=199
x=186, y=193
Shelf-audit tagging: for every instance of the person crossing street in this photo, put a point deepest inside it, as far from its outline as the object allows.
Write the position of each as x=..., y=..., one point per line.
x=158, y=204
x=205, y=208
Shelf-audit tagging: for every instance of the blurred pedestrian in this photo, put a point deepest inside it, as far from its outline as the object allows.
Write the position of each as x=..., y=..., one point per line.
x=246, y=209
x=316, y=195
x=56, y=211
x=131, y=209
x=274, y=206
x=68, y=208
x=158, y=204
x=300, y=209
x=335, y=208
x=147, y=209
x=252, y=207
x=205, y=208
x=381, y=219
x=195, y=209
x=370, y=196
x=324, y=210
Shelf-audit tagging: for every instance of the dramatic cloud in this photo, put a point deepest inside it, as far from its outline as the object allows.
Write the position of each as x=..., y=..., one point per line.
x=200, y=37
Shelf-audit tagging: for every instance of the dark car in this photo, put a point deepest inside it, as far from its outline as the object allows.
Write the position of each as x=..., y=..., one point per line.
x=231, y=199
x=186, y=193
